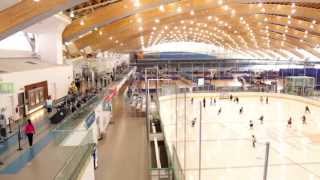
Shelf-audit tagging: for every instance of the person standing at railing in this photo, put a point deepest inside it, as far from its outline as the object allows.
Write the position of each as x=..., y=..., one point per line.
x=29, y=131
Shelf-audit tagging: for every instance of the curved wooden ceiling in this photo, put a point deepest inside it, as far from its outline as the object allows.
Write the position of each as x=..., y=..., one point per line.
x=28, y=12
x=261, y=26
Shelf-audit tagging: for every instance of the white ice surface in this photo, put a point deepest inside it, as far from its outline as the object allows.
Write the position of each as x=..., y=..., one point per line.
x=227, y=152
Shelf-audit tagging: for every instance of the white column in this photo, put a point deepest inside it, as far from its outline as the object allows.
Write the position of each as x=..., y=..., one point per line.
x=49, y=43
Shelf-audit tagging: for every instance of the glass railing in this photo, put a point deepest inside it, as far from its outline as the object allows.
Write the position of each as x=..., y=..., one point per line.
x=161, y=173
x=174, y=170
x=76, y=145
x=73, y=120
x=176, y=166
x=78, y=154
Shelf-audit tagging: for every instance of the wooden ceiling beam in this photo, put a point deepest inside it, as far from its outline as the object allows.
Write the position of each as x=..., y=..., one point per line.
x=210, y=8
x=29, y=12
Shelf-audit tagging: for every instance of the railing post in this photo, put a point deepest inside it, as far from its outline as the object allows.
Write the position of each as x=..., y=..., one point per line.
x=185, y=130
x=200, y=139
x=19, y=138
x=176, y=117
x=266, y=162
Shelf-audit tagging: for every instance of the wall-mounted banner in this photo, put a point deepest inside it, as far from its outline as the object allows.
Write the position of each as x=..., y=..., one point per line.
x=6, y=87
x=90, y=119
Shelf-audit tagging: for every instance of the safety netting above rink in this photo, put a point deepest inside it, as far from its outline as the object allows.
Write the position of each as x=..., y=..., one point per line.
x=210, y=137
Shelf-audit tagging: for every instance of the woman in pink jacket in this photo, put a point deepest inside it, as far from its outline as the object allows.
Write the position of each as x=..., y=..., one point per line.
x=29, y=131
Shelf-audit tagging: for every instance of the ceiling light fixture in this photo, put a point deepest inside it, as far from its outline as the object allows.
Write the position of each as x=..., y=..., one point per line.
x=81, y=22
x=179, y=9
x=136, y=3
x=71, y=14
x=161, y=8
x=139, y=20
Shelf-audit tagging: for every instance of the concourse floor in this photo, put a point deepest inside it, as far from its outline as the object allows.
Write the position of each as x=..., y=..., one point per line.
x=123, y=151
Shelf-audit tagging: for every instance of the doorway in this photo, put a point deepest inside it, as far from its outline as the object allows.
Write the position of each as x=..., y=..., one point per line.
x=21, y=105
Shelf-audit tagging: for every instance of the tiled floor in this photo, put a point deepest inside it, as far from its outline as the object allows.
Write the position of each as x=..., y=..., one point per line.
x=123, y=151
x=8, y=150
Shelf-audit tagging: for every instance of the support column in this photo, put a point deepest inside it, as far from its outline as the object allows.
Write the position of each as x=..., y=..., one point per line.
x=49, y=45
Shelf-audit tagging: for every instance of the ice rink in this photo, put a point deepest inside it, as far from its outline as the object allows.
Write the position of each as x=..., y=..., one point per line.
x=226, y=147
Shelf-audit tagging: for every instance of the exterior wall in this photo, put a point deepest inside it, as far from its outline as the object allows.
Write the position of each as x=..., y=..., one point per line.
x=58, y=78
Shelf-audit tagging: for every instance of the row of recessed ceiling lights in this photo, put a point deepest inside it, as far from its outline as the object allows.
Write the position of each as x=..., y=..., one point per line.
x=192, y=13
x=200, y=34
x=179, y=9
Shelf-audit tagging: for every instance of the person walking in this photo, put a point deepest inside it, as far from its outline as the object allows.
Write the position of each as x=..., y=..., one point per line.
x=289, y=122
x=267, y=100
x=254, y=141
x=29, y=131
x=219, y=112
x=192, y=100
x=304, y=119
x=251, y=124
x=241, y=110
x=204, y=102
x=193, y=122
x=261, y=119
x=307, y=110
